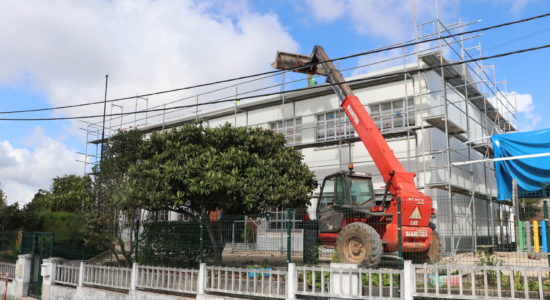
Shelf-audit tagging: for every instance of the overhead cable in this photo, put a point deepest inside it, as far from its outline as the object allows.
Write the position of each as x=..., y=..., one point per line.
x=419, y=70
x=274, y=72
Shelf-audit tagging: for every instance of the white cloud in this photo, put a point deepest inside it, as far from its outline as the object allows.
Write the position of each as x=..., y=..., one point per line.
x=390, y=20
x=64, y=48
x=517, y=6
x=528, y=119
x=526, y=116
x=327, y=10
x=24, y=171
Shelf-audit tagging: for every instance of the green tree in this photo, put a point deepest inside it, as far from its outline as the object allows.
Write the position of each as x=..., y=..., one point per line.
x=3, y=198
x=70, y=193
x=11, y=217
x=197, y=169
x=114, y=211
x=60, y=210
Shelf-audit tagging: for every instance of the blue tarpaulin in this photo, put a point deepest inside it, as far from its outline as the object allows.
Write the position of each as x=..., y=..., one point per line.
x=530, y=173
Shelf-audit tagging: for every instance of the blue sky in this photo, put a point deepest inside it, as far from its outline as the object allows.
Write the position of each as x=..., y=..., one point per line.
x=57, y=53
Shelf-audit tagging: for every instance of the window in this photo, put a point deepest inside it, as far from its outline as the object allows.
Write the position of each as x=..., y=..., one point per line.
x=333, y=125
x=392, y=114
x=290, y=128
x=328, y=194
x=160, y=215
x=360, y=190
x=278, y=219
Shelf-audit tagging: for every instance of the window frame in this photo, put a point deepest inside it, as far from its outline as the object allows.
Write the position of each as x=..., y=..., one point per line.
x=293, y=133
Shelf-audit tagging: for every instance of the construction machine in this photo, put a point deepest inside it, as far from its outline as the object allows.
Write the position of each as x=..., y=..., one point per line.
x=359, y=225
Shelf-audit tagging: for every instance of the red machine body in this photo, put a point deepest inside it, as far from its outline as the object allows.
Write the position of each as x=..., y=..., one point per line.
x=401, y=185
x=415, y=207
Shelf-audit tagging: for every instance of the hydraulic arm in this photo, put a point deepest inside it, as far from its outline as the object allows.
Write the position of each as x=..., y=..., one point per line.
x=391, y=169
x=409, y=210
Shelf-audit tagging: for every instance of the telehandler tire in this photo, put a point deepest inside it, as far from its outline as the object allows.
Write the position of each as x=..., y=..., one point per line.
x=359, y=243
x=435, y=253
x=432, y=255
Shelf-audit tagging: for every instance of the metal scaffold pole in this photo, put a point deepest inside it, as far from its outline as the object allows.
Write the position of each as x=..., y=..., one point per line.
x=516, y=211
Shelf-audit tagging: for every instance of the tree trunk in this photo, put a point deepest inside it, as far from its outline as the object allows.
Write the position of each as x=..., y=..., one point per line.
x=217, y=247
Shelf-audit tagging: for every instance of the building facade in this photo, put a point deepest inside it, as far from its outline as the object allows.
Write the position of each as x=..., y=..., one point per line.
x=432, y=115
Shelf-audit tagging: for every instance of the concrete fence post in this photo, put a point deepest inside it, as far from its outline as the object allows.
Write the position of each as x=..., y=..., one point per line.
x=47, y=272
x=201, y=281
x=22, y=275
x=134, y=276
x=81, y=275
x=291, y=281
x=407, y=281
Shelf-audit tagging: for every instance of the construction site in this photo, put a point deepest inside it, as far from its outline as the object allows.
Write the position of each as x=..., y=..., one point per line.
x=407, y=171
x=436, y=113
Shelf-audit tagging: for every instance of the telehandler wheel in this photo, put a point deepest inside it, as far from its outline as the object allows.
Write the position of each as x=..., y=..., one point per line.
x=435, y=252
x=432, y=255
x=359, y=243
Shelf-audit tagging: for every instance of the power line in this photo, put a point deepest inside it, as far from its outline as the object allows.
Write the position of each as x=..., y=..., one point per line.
x=274, y=72
x=289, y=91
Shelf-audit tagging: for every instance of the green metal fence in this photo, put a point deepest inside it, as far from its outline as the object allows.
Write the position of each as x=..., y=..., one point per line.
x=490, y=233
x=10, y=243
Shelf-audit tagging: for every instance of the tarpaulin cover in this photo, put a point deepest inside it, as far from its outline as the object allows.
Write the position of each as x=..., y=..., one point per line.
x=530, y=173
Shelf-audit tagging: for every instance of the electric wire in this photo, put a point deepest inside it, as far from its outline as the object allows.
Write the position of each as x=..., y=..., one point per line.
x=262, y=88
x=419, y=70
x=378, y=50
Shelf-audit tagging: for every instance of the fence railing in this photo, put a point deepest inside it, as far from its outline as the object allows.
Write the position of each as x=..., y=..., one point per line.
x=8, y=268
x=348, y=283
x=481, y=282
x=336, y=281
x=110, y=277
x=242, y=281
x=167, y=279
x=66, y=274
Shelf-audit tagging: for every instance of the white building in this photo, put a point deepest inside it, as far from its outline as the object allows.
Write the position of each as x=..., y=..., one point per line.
x=430, y=119
x=431, y=114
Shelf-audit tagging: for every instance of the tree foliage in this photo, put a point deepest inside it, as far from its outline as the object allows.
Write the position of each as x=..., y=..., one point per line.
x=3, y=198
x=114, y=211
x=245, y=170
x=192, y=170
x=69, y=193
x=196, y=170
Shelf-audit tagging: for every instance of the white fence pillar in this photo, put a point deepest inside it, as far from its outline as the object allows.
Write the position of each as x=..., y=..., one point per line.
x=22, y=275
x=407, y=281
x=344, y=283
x=81, y=275
x=47, y=271
x=201, y=281
x=134, y=276
x=291, y=281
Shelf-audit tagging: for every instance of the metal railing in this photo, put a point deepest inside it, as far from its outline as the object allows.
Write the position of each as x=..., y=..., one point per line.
x=8, y=268
x=110, y=277
x=337, y=281
x=242, y=281
x=66, y=275
x=481, y=282
x=348, y=283
x=167, y=279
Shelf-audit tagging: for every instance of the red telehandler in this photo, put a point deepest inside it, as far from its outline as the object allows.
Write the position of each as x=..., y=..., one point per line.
x=350, y=218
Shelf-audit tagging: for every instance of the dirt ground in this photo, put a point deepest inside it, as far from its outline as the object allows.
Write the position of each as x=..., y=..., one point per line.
x=507, y=259
x=276, y=258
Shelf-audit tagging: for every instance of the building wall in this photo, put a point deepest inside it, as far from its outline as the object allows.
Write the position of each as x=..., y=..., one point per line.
x=422, y=150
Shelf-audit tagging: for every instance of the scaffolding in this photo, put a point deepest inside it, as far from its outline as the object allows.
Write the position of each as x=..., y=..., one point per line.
x=462, y=106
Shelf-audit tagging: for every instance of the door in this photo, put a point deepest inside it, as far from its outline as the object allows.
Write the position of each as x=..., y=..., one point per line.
x=333, y=196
